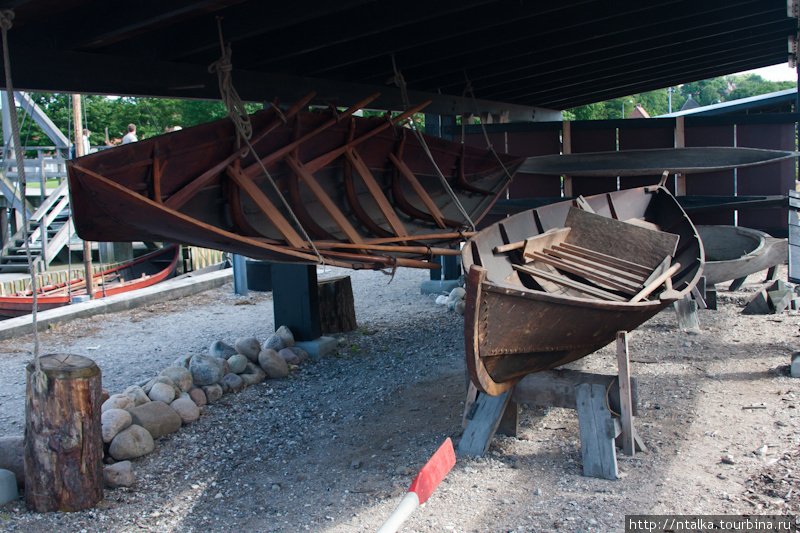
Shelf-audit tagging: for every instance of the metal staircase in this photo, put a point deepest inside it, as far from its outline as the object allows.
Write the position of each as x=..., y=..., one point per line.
x=49, y=230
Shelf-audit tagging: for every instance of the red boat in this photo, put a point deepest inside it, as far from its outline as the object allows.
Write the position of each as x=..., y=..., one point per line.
x=142, y=272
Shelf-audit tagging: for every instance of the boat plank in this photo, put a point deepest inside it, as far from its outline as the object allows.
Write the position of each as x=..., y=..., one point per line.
x=595, y=265
x=420, y=190
x=377, y=193
x=545, y=240
x=622, y=264
x=563, y=280
x=591, y=275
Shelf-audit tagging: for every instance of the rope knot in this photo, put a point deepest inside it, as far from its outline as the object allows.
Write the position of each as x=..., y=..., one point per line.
x=6, y=18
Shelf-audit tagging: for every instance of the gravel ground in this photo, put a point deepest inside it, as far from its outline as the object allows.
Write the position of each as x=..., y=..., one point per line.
x=333, y=447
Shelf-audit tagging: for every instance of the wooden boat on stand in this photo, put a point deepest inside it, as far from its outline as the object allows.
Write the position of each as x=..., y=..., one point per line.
x=142, y=272
x=367, y=192
x=548, y=286
x=735, y=252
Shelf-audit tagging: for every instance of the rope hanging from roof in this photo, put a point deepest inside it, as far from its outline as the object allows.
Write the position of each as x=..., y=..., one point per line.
x=38, y=377
x=400, y=81
x=241, y=120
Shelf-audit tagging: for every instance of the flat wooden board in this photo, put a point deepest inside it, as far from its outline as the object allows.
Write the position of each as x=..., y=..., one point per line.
x=480, y=430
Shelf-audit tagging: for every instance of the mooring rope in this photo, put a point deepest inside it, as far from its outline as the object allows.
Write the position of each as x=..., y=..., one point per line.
x=400, y=81
x=241, y=121
x=38, y=378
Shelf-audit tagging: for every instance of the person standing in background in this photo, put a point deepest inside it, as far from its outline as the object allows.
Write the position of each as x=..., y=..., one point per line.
x=130, y=137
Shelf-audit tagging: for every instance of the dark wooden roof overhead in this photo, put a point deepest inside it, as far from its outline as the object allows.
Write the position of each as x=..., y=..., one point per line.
x=516, y=53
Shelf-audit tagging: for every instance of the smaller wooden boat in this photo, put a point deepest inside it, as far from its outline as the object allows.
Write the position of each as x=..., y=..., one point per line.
x=734, y=252
x=690, y=160
x=551, y=285
x=142, y=272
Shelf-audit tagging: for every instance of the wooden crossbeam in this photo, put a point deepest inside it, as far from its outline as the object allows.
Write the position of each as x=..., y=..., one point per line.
x=377, y=193
x=255, y=169
x=420, y=190
x=567, y=282
x=182, y=196
x=329, y=205
x=591, y=275
x=266, y=207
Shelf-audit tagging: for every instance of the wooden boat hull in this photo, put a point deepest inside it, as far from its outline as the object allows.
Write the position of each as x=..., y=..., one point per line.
x=142, y=272
x=734, y=252
x=690, y=160
x=512, y=330
x=364, y=190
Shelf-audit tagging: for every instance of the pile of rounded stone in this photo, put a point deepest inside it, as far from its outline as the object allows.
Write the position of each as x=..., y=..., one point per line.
x=131, y=421
x=454, y=301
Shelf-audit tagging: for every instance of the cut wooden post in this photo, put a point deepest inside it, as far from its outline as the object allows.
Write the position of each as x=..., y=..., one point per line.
x=597, y=432
x=63, y=452
x=488, y=410
x=337, y=312
x=626, y=411
x=509, y=422
x=686, y=309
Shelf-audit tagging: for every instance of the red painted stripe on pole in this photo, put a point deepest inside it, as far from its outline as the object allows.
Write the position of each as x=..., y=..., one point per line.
x=434, y=471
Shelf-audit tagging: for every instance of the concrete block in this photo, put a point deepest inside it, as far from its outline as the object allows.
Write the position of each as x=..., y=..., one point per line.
x=8, y=487
x=757, y=304
x=795, y=368
x=438, y=286
x=318, y=348
x=779, y=300
x=711, y=298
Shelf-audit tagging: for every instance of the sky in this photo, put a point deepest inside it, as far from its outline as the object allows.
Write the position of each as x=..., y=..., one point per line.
x=780, y=72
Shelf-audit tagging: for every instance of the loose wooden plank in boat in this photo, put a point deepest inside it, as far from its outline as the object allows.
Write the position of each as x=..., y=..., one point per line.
x=591, y=275
x=594, y=265
x=266, y=207
x=545, y=240
x=656, y=283
x=420, y=190
x=620, y=239
x=190, y=189
x=330, y=207
x=627, y=266
x=563, y=280
x=158, y=167
x=377, y=193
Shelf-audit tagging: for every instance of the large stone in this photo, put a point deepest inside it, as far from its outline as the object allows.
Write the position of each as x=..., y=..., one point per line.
x=182, y=361
x=286, y=336
x=104, y=395
x=457, y=294
x=273, y=364
x=213, y=392
x=118, y=475
x=237, y=363
x=137, y=394
x=162, y=379
x=221, y=350
x=290, y=356
x=274, y=342
x=161, y=392
x=11, y=457
x=248, y=347
x=8, y=487
x=233, y=381
x=186, y=409
x=198, y=396
x=253, y=375
x=301, y=353
x=206, y=369
x=157, y=418
x=179, y=375
x=117, y=401
x=113, y=421
x=794, y=371
x=132, y=442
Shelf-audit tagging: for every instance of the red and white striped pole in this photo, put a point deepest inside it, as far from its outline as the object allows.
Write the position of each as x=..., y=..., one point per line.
x=423, y=486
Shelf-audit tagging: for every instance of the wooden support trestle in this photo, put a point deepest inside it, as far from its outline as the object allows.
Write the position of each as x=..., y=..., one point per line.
x=606, y=405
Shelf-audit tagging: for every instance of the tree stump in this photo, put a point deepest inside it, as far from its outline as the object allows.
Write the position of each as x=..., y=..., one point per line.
x=63, y=442
x=337, y=310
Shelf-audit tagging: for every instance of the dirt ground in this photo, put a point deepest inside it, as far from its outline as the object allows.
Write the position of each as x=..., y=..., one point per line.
x=333, y=447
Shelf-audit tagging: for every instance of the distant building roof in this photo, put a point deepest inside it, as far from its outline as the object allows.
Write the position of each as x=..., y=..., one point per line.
x=691, y=103
x=777, y=102
x=639, y=112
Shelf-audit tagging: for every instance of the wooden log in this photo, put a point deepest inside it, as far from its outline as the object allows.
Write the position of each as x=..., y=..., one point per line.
x=63, y=452
x=337, y=310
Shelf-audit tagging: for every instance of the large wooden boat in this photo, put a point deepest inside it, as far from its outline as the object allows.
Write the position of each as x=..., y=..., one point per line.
x=551, y=285
x=364, y=190
x=734, y=252
x=142, y=272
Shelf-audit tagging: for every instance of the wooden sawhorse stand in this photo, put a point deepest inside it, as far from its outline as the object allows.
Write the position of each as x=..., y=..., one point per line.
x=590, y=394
